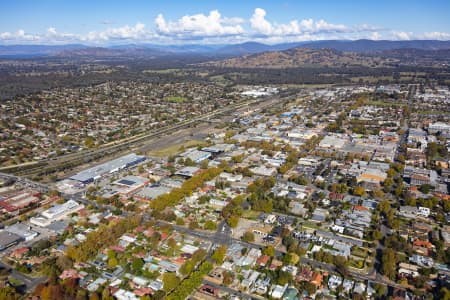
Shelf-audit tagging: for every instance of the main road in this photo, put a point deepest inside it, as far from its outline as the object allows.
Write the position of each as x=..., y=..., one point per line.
x=29, y=282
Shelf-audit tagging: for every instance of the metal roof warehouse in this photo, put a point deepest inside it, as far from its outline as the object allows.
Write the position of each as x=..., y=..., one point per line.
x=112, y=166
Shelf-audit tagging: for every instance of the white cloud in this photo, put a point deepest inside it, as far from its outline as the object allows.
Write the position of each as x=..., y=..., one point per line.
x=215, y=28
x=307, y=24
x=402, y=35
x=323, y=26
x=375, y=36
x=262, y=26
x=19, y=35
x=136, y=32
x=259, y=22
x=199, y=25
x=435, y=35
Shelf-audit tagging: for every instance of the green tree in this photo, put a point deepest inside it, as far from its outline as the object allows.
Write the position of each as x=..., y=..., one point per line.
x=380, y=290
x=219, y=254
x=210, y=225
x=89, y=142
x=359, y=191
x=269, y=250
x=170, y=281
x=112, y=262
x=444, y=293
x=137, y=264
x=8, y=293
x=233, y=221
x=106, y=294
x=389, y=263
x=193, y=225
x=377, y=235
x=248, y=237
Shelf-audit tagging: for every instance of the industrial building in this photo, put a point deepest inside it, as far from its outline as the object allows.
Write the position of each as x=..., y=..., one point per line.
x=195, y=155
x=56, y=213
x=152, y=192
x=128, y=185
x=15, y=202
x=94, y=173
x=9, y=239
x=188, y=171
x=23, y=231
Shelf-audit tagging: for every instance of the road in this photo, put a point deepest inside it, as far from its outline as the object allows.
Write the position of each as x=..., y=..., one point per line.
x=30, y=282
x=231, y=291
x=224, y=238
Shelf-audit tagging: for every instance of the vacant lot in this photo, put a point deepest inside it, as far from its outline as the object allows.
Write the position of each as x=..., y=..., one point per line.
x=176, y=148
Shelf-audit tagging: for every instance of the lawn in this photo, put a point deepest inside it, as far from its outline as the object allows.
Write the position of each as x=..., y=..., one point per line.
x=358, y=264
x=175, y=149
x=313, y=225
x=251, y=214
x=14, y=281
x=360, y=252
x=388, y=104
x=176, y=99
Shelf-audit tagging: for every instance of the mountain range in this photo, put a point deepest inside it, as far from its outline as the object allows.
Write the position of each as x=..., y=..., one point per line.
x=152, y=50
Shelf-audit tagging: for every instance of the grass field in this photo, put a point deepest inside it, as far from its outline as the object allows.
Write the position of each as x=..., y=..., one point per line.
x=164, y=71
x=309, y=86
x=432, y=112
x=358, y=264
x=176, y=99
x=360, y=252
x=251, y=214
x=175, y=149
x=381, y=103
x=371, y=79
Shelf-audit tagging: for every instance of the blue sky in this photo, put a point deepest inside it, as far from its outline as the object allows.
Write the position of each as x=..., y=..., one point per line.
x=182, y=22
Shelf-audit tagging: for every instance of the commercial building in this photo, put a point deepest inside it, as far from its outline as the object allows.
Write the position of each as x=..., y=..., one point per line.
x=195, y=155
x=439, y=127
x=152, y=192
x=14, y=203
x=129, y=185
x=332, y=142
x=94, y=173
x=55, y=213
x=23, y=231
x=188, y=171
x=9, y=239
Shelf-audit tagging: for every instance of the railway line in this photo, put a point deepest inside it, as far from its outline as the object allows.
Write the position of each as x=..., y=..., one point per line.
x=71, y=160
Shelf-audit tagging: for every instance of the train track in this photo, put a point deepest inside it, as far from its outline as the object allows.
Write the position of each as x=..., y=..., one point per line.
x=71, y=160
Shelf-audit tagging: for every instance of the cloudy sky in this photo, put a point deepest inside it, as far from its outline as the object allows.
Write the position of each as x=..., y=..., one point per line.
x=99, y=22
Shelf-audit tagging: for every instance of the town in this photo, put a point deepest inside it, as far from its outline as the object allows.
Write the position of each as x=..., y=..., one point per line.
x=329, y=193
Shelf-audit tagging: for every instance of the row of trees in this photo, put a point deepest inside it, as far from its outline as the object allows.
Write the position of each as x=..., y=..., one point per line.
x=190, y=264
x=192, y=282
x=190, y=185
x=104, y=236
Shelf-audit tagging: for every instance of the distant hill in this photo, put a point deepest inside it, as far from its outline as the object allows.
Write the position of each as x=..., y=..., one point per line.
x=358, y=46
x=246, y=48
x=367, y=46
x=36, y=50
x=100, y=52
x=301, y=57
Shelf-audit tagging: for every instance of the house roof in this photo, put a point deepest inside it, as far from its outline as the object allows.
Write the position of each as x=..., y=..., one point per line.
x=263, y=260
x=424, y=244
